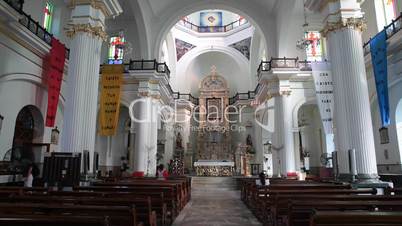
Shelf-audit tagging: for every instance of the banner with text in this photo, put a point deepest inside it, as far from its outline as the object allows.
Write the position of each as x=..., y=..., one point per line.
x=54, y=67
x=378, y=47
x=111, y=81
x=324, y=91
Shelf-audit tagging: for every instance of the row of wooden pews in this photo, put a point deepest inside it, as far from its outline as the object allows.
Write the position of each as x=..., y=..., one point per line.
x=121, y=202
x=303, y=203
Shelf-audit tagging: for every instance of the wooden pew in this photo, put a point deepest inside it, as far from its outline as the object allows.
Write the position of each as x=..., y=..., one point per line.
x=299, y=212
x=43, y=220
x=356, y=218
x=118, y=215
x=168, y=194
x=143, y=206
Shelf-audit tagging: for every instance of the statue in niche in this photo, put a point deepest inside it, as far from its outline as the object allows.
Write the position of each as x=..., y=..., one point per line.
x=250, y=148
x=179, y=140
x=248, y=141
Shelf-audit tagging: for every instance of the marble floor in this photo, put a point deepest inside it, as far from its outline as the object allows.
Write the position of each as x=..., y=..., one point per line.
x=215, y=202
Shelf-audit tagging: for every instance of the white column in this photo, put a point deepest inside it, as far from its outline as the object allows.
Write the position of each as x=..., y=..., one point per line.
x=132, y=145
x=146, y=136
x=283, y=139
x=82, y=83
x=277, y=139
x=86, y=30
x=352, y=113
x=288, y=138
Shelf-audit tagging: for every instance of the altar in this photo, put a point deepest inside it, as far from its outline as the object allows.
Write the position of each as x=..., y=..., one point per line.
x=214, y=168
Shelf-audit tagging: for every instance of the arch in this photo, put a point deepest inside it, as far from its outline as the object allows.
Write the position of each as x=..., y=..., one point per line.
x=29, y=128
x=31, y=78
x=186, y=62
x=298, y=105
x=172, y=16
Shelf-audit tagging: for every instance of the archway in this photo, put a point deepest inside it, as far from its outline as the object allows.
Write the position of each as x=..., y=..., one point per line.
x=311, y=142
x=29, y=128
x=112, y=149
x=236, y=8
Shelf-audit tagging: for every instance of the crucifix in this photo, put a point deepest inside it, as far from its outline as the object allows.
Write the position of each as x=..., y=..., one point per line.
x=314, y=41
x=213, y=71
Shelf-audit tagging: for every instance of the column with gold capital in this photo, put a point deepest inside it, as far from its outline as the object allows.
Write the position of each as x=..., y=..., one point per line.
x=86, y=29
x=352, y=114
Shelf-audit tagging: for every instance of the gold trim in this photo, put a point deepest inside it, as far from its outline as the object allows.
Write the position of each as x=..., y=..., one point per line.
x=354, y=23
x=86, y=28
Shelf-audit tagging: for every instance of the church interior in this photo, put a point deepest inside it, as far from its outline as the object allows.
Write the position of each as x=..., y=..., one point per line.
x=200, y=112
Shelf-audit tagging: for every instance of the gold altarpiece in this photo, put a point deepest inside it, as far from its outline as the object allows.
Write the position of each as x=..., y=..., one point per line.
x=213, y=135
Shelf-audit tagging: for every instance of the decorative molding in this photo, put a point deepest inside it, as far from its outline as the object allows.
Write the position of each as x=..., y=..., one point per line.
x=354, y=23
x=108, y=10
x=155, y=96
x=72, y=29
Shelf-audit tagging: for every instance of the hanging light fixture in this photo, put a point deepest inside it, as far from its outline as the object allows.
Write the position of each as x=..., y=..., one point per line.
x=303, y=43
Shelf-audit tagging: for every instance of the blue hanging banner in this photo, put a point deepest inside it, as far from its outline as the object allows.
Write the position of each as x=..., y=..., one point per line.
x=378, y=48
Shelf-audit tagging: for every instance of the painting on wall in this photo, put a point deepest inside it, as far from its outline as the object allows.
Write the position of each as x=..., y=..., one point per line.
x=243, y=47
x=182, y=48
x=208, y=19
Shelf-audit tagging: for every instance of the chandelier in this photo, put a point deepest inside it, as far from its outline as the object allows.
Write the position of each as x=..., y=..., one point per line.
x=304, y=43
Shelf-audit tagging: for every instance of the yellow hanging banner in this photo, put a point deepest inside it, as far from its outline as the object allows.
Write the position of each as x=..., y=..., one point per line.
x=112, y=76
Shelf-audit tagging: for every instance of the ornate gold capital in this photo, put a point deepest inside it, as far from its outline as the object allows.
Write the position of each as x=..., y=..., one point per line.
x=148, y=94
x=86, y=28
x=354, y=23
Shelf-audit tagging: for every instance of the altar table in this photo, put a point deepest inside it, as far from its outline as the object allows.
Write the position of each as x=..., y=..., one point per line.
x=214, y=168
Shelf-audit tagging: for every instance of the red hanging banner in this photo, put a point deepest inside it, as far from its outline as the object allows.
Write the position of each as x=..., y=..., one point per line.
x=54, y=72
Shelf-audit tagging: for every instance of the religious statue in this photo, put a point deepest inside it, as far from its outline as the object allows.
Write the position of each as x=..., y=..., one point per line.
x=249, y=144
x=179, y=141
x=248, y=141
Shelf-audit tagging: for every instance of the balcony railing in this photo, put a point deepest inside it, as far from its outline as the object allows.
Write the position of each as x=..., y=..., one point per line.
x=293, y=63
x=250, y=95
x=147, y=65
x=186, y=96
x=390, y=31
x=33, y=25
x=213, y=29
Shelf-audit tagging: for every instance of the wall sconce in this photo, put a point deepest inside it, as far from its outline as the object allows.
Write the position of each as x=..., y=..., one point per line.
x=1, y=122
x=54, y=138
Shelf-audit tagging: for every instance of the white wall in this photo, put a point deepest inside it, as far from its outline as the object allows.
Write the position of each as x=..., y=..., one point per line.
x=61, y=16
x=22, y=84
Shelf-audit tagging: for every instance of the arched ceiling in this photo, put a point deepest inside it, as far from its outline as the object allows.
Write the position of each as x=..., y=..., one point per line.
x=200, y=67
x=159, y=6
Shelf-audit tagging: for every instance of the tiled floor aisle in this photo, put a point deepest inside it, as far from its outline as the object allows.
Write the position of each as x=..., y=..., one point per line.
x=214, y=203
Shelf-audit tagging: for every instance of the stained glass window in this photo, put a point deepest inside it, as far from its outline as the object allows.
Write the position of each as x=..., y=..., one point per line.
x=314, y=50
x=390, y=10
x=48, y=17
x=116, y=54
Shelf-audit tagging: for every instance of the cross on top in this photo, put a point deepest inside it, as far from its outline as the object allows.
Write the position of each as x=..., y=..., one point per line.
x=213, y=70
